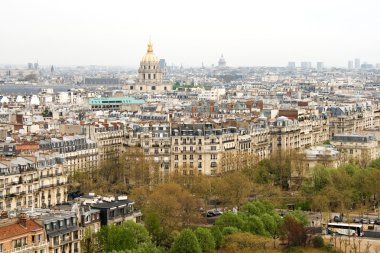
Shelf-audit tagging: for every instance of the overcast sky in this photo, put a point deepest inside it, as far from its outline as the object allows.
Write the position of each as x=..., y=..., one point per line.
x=248, y=33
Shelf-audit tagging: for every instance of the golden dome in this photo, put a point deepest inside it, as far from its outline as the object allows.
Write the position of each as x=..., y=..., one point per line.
x=149, y=56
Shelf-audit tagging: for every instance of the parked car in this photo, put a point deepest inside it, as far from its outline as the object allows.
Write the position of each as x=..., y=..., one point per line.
x=217, y=212
x=213, y=213
x=356, y=220
x=337, y=218
x=364, y=220
x=371, y=221
x=377, y=221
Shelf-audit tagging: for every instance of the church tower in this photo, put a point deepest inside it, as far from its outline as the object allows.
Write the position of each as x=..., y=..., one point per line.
x=149, y=71
x=150, y=75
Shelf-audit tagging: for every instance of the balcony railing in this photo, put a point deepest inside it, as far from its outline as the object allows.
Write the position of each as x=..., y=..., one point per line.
x=28, y=248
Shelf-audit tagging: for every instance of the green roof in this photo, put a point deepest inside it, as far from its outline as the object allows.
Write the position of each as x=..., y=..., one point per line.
x=116, y=100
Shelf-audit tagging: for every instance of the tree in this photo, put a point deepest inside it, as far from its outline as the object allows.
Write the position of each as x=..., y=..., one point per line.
x=146, y=247
x=255, y=225
x=89, y=243
x=234, y=189
x=230, y=220
x=153, y=225
x=272, y=225
x=244, y=242
x=218, y=236
x=122, y=237
x=294, y=231
x=205, y=239
x=186, y=242
x=174, y=206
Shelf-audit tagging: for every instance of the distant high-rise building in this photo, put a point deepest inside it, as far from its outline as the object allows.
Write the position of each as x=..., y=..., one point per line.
x=30, y=65
x=357, y=63
x=378, y=65
x=291, y=65
x=306, y=65
x=52, y=69
x=222, y=62
x=350, y=64
x=36, y=65
x=320, y=66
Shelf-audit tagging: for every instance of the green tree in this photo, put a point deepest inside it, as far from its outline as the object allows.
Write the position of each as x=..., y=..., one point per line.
x=205, y=239
x=299, y=216
x=272, y=224
x=255, y=225
x=230, y=220
x=218, y=236
x=146, y=247
x=89, y=243
x=153, y=225
x=186, y=242
x=122, y=237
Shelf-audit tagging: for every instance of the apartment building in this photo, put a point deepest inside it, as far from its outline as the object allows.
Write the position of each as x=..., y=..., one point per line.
x=200, y=148
x=108, y=137
x=22, y=235
x=79, y=152
x=62, y=230
x=34, y=181
x=361, y=147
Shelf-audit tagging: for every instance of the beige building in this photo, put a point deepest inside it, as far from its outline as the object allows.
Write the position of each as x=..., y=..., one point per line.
x=38, y=181
x=360, y=147
x=79, y=152
x=150, y=79
x=109, y=138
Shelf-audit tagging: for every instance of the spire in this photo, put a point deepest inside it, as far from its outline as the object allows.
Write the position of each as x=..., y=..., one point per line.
x=150, y=46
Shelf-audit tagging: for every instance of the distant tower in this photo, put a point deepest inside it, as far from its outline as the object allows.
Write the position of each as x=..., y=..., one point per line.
x=320, y=66
x=221, y=62
x=350, y=65
x=36, y=65
x=163, y=67
x=357, y=63
x=30, y=65
x=52, y=69
x=306, y=65
x=291, y=65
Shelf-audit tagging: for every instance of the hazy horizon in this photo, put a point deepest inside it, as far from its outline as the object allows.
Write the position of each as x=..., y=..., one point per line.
x=247, y=33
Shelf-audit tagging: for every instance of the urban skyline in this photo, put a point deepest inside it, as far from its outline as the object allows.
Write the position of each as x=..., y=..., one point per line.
x=248, y=34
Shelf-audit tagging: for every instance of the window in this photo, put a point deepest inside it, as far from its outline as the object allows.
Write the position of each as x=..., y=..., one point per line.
x=199, y=164
x=176, y=157
x=191, y=157
x=140, y=88
x=184, y=157
x=153, y=87
x=19, y=242
x=213, y=147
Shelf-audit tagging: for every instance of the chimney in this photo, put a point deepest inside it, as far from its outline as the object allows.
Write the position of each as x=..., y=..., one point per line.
x=22, y=219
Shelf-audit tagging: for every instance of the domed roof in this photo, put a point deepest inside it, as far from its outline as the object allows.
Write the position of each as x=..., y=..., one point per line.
x=149, y=56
